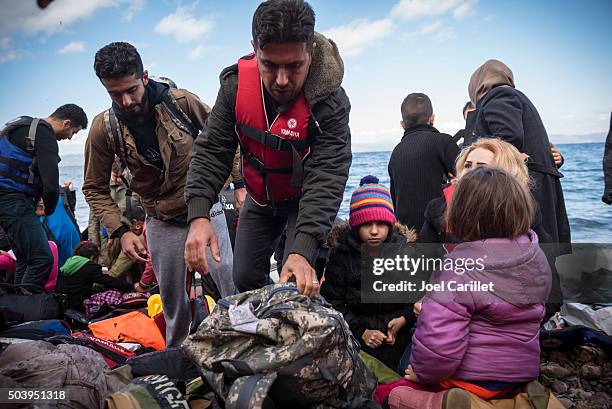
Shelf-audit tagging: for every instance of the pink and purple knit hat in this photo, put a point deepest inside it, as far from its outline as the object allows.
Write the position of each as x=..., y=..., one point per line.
x=371, y=202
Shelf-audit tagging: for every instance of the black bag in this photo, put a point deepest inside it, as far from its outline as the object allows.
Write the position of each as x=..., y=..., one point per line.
x=171, y=362
x=36, y=330
x=29, y=301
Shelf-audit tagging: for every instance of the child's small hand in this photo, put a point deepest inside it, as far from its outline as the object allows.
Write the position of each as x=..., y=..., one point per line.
x=410, y=375
x=417, y=308
x=394, y=327
x=373, y=338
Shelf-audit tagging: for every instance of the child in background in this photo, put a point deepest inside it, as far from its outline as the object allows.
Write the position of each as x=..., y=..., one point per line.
x=485, y=341
x=121, y=265
x=80, y=272
x=383, y=330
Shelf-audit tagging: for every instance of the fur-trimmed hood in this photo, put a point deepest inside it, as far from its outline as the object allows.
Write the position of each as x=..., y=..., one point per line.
x=338, y=230
x=326, y=70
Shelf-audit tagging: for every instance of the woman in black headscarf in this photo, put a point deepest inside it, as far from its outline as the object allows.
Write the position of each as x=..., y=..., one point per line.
x=504, y=112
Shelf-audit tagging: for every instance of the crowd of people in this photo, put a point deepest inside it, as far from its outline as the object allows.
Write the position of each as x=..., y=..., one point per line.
x=158, y=160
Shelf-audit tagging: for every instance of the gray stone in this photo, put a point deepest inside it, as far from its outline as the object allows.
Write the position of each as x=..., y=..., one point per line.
x=567, y=403
x=591, y=372
x=558, y=386
x=554, y=370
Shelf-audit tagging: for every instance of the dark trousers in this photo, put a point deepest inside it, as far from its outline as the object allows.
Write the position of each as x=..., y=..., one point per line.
x=27, y=238
x=259, y=230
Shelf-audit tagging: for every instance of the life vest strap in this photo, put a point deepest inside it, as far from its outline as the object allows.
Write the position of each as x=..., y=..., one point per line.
x=15, y=164
x=260, y=167
x=273, y=141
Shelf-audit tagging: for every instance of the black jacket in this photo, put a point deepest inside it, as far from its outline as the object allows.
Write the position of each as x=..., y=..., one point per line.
x=46, y=154
x=325, y=169
x=507, y=113
x=418, y=167
x=607, y=166
x=78, y=286
x=342, y=289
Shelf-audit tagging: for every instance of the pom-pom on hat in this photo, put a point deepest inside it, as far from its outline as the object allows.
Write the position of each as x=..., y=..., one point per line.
x=371, y=202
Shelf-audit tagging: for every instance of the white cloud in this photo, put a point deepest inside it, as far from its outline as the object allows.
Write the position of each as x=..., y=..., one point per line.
x=431, y=28
x=72, y=47
x=135, y=7
x=414, y=9
x=184, y=26
x=197, y=52
x=8, y=52
x=465, y=9
x=25, y=16
x=444, y=34
x=436, y=30
x=5, y=42
x=358, y=35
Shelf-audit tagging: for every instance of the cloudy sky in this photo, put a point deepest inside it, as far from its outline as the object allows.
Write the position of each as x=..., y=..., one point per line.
x=559, y=50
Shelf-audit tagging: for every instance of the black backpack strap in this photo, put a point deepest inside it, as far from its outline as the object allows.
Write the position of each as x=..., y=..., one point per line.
x=112, y=127
x=274, y=141
x=178, y=116
x=251, y=391
x=31, y=138
x=31, y=142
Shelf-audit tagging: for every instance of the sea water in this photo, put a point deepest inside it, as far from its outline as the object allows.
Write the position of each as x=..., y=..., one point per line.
x=583, y=183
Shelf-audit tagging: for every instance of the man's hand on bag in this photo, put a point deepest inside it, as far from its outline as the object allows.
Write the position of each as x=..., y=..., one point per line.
x=239, y=197
x=133, y=247
x=201, y=235
x=305, y=276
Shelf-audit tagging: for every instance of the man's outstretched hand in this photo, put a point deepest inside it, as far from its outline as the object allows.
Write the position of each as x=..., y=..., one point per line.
x=133, y=247
x=305, y=276
x=201, y=235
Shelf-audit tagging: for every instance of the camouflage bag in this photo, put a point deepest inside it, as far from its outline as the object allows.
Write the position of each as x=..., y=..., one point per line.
x=274, y=347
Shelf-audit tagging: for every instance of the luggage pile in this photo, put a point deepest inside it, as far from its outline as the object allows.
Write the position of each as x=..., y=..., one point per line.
x=268, y=348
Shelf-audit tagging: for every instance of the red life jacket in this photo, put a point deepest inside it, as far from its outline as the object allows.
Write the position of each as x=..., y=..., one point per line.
x=272, y=155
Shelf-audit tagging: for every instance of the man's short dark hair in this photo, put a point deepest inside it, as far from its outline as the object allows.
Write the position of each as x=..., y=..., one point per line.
x=416, y=109
x=467, y=106
x=73, y=113
x=283, y=21
x=117, y=60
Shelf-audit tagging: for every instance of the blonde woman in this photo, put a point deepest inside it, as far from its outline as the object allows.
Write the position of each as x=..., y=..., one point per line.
x=485, y=151
x=500, y=154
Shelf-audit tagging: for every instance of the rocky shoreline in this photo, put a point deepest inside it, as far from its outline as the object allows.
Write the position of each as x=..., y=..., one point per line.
x=580, y=377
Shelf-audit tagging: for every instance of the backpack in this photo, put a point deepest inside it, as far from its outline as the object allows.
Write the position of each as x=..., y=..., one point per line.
x=36, y=330
x=28, y=302
x=274, y=347
x=178, y=116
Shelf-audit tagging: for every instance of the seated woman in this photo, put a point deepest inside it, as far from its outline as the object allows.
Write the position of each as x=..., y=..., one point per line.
x=80, y=272
x=383, y=330
x=481, y=334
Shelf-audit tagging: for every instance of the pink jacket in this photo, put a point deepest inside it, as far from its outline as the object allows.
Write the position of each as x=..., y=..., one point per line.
x=485, y=335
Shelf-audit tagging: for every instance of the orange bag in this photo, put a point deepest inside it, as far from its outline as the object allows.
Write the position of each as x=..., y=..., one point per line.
x=134, y=326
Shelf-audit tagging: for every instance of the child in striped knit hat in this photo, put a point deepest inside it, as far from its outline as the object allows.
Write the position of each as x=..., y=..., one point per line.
x=382, y=329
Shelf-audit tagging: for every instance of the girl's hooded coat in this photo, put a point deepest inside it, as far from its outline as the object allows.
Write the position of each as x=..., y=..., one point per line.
x=342, y=289
x=485, y=335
